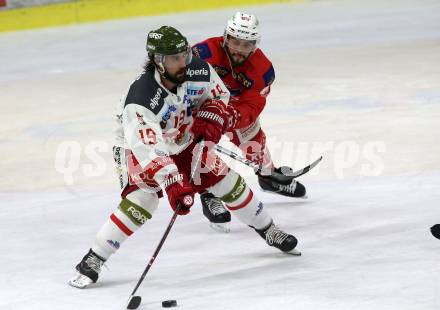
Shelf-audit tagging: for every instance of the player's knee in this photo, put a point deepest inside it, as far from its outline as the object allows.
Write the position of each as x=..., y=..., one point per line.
x=231, y=189
x=139, y=206
x=240, y=199
x=224, y=186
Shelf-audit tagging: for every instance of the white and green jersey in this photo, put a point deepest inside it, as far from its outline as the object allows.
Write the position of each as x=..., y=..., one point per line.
x=153, y=122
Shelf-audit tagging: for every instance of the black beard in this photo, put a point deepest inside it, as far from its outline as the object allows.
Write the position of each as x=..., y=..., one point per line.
x=238, y=63
x=174, y=79
x=234, y=63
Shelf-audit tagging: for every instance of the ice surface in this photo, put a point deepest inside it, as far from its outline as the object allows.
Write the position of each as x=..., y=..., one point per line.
x=351, y=74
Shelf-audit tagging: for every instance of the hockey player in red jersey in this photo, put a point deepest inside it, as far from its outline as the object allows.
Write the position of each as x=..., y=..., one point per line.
x=248, y=75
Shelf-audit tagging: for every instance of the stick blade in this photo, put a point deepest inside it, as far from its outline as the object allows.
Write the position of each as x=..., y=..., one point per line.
x=306, y=169
x=134, y=302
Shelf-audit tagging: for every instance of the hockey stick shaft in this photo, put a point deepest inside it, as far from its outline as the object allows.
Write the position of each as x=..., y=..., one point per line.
x=262, y=170
x=156, y=252
x=200, y=146
x=247, y=162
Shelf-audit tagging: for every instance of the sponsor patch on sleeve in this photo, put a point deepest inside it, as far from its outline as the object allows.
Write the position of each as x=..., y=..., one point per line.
x=202, y=50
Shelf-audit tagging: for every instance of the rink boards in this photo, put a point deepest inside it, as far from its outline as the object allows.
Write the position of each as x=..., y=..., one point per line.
x=96, y=10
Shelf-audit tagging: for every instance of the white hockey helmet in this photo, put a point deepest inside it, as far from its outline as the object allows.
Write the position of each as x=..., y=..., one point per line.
x=243, y=26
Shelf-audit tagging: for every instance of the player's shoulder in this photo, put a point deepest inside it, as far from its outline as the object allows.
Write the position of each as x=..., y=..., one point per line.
x=198, y=70
x=262, y=67
x=260, y=59
x=208, y=48
x=145, y=91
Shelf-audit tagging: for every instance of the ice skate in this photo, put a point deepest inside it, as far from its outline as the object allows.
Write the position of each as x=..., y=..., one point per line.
x=271, y=184
x=277, y=238
x=87, y=270
x=215, y=212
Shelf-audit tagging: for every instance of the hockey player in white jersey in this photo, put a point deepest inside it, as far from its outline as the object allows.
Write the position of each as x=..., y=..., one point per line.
x=176, y=101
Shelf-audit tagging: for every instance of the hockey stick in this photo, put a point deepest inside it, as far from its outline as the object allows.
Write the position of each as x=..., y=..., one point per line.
x=135, y=300
x=283, y=178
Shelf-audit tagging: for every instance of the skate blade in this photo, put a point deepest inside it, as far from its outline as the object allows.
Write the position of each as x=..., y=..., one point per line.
x=80, y=281
x=294, y=252
x=221, y=227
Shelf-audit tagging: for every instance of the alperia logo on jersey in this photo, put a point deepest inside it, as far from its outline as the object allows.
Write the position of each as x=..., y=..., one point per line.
x=154, y=102
x=192, y=72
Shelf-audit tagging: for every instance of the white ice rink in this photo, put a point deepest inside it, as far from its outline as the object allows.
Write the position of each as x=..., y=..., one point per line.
x=361, y=78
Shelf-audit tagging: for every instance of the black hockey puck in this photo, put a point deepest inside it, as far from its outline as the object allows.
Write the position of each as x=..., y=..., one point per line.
x=435, y=231
x=169, y=303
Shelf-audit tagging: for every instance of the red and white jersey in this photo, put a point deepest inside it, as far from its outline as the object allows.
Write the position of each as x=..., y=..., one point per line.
x=154, y=123
x=249, y=83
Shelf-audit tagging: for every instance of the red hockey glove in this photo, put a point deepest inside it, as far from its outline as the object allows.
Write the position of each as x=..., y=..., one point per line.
x=179, y=191
x=213, y=119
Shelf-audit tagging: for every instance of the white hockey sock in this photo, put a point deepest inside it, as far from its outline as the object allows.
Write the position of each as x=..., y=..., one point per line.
x=241, y=201
x=128, y=218
x=109, y=238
